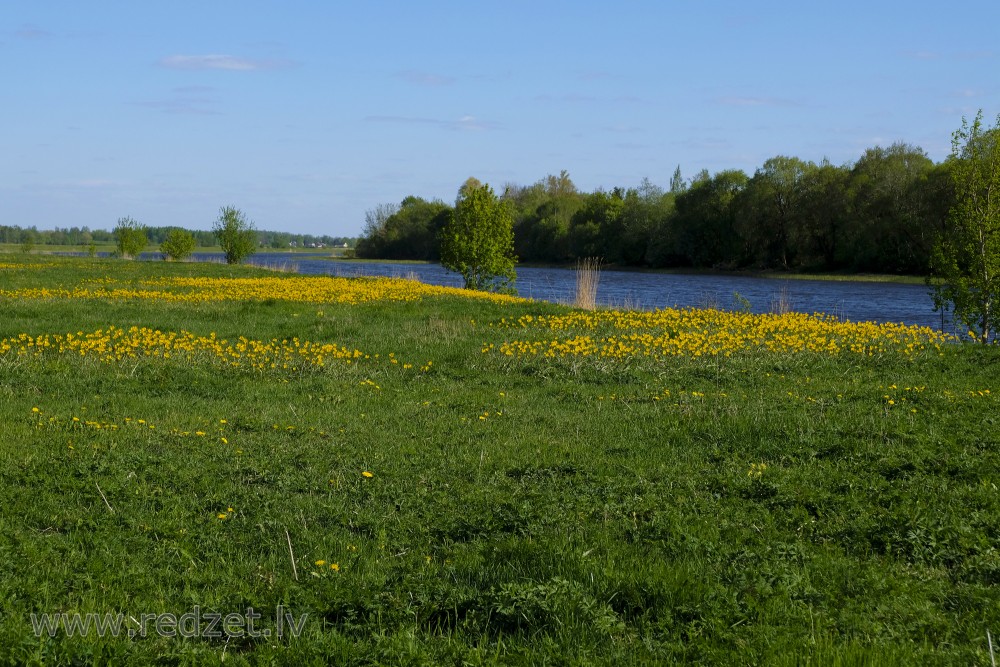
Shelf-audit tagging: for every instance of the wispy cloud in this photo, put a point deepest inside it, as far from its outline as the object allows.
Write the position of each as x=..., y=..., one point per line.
x=968, y=93
x=29, y=31
x=424, y=78
x=222, y=62
x=922, y=55
x=579, y=98
x=464, y=123
x=983, y=54
x=753, y=101
x=596, y=75
x=187, y=100
x=623, y=129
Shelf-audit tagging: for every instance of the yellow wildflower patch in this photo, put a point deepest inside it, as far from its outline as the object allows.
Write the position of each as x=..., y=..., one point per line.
x=115, y=345
x=694, y=332
x=308, y=289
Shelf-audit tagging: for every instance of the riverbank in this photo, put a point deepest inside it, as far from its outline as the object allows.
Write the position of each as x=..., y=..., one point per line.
x=16, y=248
x=427, y=476
x=779, y=275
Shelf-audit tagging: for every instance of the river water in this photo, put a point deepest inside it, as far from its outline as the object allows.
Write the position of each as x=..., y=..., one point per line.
x=848, y=300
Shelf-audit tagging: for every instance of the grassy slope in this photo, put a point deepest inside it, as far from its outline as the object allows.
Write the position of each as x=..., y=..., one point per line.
x=579, y=521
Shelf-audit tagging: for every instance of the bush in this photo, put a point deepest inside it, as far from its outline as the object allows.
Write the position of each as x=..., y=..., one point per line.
x=27, y=241
x=131, y=237
x=178, y=244
x=237, y=237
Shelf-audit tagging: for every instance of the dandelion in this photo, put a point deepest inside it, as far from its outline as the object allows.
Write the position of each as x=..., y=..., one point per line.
x=335, y=567
x=367, y=474
x=320, y=563
x=221, y=516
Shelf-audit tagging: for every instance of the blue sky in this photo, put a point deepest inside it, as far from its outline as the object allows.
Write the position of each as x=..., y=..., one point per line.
x=306, y=114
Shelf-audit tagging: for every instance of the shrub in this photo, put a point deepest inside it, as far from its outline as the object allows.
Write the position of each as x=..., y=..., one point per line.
x=178, y=244
x=131, y=237
x=237, y=237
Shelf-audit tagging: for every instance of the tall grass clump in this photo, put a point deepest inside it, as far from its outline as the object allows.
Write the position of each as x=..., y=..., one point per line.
x=588, y=275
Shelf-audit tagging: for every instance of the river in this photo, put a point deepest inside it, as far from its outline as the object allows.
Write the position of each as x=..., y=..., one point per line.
x=848, y=300
x=855, y=301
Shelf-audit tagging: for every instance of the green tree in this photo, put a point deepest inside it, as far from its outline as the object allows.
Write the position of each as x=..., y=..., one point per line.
x=596, y=228
x=704, y=220
x=237, y=237
x=407, y=231
x=542, y=214
x=130, y=237
x=821, y=237
x=677, y=184
x=178, y=244
x=27, y=240
x=478, y=240
x=887, y=185
x=966, y=259
x=768, y=209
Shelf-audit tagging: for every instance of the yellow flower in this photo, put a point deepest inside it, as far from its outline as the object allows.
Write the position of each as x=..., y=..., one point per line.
x=335, y=567
x=320, y=563
x=367, y=474
x=221, y=515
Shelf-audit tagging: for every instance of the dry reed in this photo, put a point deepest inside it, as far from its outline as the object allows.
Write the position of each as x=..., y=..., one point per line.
x=588, y=275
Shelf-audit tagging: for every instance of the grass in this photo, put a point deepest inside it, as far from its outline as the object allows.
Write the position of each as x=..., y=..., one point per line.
x=765, y=508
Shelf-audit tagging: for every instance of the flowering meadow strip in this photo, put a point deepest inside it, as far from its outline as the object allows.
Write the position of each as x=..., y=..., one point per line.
x=308, y=289
x=116, y=345
x=704, y=332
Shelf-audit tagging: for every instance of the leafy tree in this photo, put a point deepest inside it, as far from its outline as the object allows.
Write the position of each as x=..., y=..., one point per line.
x=768, y=210
x=886, y=187
x=130, y=237
x=27, y=240
x=677, y=184
x=639, y=221
x=597, y=228
x=237, y=237
x=178, y=244
x=478, y=241
x=704, y=220
x=407, y=231
x=825, y=212
x=966, y=259
x=542, y=214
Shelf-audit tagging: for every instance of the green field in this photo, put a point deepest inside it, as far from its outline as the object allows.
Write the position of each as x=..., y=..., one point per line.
x=438, y=501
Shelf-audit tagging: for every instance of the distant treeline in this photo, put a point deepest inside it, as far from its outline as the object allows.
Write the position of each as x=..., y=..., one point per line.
x=880, y=214
x=83, y=236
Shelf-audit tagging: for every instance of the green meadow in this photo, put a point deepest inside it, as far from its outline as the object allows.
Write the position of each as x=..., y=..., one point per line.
x=432, y=503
